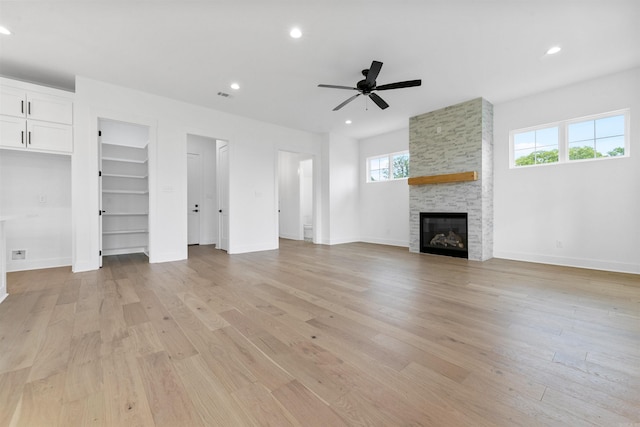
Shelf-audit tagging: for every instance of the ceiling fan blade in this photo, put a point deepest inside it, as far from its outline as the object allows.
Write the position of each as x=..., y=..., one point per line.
x=346, y=102
x=338, y=87
x=379, y=101
x=374, y=70
x=400, y=85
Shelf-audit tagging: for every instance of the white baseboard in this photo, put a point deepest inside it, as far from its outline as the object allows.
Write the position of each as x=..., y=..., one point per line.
x=389, y=242
x=258, y=247
x=37, y=264
x=592, y=264
x=289, y=236
x=168, y=257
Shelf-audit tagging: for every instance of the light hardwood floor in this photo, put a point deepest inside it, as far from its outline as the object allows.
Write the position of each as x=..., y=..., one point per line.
x=311, y=335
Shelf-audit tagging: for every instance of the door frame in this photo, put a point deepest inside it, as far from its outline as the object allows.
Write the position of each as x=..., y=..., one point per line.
x=222, y=182
x=96, y=116
x=305, y=155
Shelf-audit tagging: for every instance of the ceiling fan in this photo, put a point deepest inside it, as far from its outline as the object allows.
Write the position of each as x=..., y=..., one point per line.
x=368, y=85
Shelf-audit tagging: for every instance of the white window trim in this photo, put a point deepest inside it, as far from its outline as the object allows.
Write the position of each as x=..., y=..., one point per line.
x=563, y=138
x=390, y=156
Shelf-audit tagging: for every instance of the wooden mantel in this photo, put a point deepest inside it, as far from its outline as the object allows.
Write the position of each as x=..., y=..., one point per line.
x=441, y=179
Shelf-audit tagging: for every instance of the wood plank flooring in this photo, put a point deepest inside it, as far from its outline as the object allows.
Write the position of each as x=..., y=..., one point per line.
x=313, y=335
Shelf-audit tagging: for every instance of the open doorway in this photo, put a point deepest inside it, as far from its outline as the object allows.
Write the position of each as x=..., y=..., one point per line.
x=202, y=225
x=295, y=196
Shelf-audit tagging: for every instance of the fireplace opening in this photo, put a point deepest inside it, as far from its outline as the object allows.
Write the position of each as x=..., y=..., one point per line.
x=444, y=233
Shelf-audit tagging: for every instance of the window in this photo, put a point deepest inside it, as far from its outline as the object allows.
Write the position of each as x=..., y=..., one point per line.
x=587, y=138
x=536, y=146
x=388, y=167
x=596, y=138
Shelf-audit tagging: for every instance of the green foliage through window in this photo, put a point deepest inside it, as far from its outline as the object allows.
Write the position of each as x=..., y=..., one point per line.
x=388, y=167
x=596, y=137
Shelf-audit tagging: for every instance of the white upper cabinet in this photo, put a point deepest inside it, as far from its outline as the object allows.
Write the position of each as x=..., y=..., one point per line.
x=35, y=118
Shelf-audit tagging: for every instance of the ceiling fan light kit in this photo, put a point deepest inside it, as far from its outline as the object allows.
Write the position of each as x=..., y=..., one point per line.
x=368, y=85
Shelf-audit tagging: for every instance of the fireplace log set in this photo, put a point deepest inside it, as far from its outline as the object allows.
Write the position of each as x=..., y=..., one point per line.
x=450, y=240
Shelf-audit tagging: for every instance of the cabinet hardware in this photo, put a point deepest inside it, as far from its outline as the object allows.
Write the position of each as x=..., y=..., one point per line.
x=21, y=137
x=22, y=107
x=220, y=210
x=195, y=210
x=29, y=108
x=29, y=138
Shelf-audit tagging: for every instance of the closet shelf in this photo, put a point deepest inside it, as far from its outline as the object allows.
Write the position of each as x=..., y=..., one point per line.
x=123, y=145
x=119, y=250
x=124, y=160
x=125, y=232
x=125, y=213
x=115, y=175
x=125, y=191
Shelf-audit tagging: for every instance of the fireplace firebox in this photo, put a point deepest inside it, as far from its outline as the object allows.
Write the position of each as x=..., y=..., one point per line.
x=444, y=233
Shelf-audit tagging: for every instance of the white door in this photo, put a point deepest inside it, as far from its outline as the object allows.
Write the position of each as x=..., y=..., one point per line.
x=194, y=194
x=223, y=196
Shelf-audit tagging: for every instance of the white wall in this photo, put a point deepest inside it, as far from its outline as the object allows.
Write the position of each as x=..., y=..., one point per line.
x=253, y=149
x=36, y=184
x=592, y=208
x=384, y=206
x=206, y=148
x=343, y=187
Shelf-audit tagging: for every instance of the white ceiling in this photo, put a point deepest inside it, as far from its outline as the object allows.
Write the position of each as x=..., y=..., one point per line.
x=191, y=50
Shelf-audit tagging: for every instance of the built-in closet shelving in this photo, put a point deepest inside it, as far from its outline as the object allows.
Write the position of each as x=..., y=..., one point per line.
x=125, y=199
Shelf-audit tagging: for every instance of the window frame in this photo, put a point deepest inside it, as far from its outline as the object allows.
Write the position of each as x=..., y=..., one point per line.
x=389, y=157
x=563, y=138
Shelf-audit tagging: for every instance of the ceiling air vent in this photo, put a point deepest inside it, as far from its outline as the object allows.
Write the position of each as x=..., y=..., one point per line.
x=224, y=95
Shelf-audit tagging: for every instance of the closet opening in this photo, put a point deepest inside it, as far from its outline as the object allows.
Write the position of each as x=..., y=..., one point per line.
x=124, y=188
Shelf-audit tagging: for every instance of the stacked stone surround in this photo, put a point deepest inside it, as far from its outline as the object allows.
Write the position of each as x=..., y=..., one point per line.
x=454, y=139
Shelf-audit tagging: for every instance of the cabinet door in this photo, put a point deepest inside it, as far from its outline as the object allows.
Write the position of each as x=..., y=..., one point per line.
x=12, y=132
x=49, y=136
x=49, y=108
x=12, y=101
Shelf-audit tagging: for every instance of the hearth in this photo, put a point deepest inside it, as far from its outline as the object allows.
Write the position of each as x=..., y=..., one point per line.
x=444, y=233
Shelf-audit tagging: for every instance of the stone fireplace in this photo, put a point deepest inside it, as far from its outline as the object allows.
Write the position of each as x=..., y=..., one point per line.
x=451, y=142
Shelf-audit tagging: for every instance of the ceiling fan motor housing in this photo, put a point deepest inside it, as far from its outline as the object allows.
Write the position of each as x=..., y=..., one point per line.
x=364, y=87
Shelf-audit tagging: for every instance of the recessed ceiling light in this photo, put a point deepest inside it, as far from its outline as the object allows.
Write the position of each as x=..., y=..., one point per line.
x=348, y=122
x=553, y=50
x=295, y=33
x=5, y=31
x=235, y=86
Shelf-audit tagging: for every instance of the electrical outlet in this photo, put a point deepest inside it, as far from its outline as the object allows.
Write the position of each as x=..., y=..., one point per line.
x=18, y=254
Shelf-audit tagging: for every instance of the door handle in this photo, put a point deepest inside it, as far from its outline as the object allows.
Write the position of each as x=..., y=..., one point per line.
x=195, y=210
x=220, y=210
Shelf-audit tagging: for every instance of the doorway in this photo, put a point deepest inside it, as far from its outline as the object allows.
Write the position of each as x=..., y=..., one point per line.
x=201, y=191
x=295, y=196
